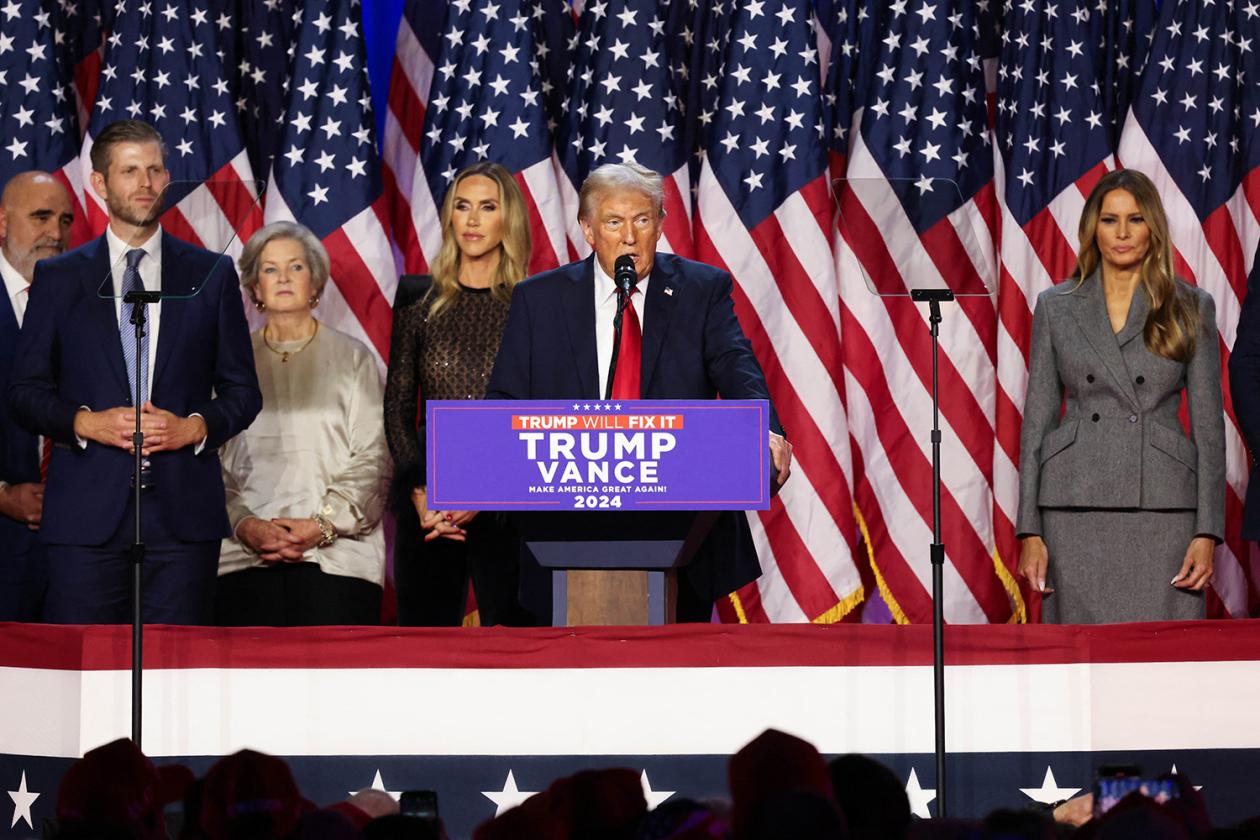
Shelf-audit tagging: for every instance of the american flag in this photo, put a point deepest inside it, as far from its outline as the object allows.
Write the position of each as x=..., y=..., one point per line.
x=38, y=112
x=467, y=91
x=1194, y=127
x=327, y=174
x=624, y=106
x=161, y=65
x=923, y=216
x=764, y=213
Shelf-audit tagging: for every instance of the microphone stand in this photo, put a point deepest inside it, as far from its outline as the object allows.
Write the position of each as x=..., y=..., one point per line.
x=933, y=298
x=138, y=299
x=623, y=297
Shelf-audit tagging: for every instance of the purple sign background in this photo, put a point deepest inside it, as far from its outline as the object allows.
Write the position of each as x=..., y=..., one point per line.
x=598, y=454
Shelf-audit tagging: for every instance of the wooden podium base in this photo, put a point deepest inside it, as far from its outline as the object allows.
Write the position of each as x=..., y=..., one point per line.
x=616, y=597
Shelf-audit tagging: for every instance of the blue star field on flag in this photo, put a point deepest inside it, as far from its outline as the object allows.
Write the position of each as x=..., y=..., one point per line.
x=622, y=106
x=162, y=66
x=1050, y=126
x=37, y=109
x=487, y=100
x=1199, y=102
x=327, y=169
x=765, y=136
x=925, y=117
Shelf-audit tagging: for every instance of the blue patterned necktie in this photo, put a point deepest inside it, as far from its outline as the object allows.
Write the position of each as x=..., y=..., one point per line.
x=127, y=330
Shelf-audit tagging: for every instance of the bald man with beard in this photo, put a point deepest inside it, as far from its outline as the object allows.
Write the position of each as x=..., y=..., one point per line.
x=35, y=218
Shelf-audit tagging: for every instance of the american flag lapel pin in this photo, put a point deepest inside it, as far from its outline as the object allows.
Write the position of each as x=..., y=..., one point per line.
x=669, y=291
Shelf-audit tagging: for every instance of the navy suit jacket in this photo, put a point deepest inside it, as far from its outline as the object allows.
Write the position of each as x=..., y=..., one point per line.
x=19, y=464
x=693, y=348
x=69, y=356
x=1244, y=386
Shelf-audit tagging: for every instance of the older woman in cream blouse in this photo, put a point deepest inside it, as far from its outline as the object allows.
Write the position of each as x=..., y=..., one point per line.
x=306, y=483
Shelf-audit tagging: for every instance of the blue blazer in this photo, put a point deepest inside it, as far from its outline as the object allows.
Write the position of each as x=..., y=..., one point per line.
x=1244, y=387
x=69, y=355
x=693, y=348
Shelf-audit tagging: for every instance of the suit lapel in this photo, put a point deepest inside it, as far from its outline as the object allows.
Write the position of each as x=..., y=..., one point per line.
x=98, y=291
x=662, y=295
x=1135, y=323
x=579, y=321
x=1090, y=313
x=173, y=285
x=8, y=321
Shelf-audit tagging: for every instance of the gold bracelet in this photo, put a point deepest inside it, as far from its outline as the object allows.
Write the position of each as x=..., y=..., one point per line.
x=327, y=534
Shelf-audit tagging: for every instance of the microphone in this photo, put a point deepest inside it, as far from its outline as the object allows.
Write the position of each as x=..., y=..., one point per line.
x=624, y=274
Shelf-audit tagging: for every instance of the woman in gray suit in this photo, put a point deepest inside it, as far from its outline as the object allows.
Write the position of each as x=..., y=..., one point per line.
x=1119, y=511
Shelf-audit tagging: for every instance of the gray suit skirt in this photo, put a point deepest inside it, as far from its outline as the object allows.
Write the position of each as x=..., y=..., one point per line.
x=1117, y=565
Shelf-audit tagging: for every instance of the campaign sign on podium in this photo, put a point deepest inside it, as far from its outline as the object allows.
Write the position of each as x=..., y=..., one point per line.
x=598, y=454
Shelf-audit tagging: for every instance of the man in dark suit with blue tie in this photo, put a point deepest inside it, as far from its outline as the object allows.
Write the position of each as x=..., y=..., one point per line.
x=74, y=377
x=680, y=340
x=35, y=219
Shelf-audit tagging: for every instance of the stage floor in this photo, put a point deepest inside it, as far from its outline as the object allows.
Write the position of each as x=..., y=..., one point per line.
x=484, y=716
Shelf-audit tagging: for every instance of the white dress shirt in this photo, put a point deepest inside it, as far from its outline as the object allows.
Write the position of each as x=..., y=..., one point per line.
x=150, y=275
x=15, y=286
x=605, y=311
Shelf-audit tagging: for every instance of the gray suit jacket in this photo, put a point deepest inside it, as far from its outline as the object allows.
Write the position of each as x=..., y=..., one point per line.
x=1119, y=444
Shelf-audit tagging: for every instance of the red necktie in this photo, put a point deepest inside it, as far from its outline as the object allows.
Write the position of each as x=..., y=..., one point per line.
x=45, y=456
x=629, y=357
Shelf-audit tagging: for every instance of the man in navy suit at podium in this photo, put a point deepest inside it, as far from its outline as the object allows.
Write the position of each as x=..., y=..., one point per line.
x=680, y=339
x=74, y=377
x=35, y=219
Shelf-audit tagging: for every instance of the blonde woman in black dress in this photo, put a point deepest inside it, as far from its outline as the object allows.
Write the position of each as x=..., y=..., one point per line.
x=444, y=346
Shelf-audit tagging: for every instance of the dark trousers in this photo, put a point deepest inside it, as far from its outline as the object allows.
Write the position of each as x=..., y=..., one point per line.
x=294, y=595
x=23, y=580
x=91, y=584
x=431, y=579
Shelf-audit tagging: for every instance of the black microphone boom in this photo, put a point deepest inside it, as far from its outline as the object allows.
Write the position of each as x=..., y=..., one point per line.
x=624, y=273
x=624, y=278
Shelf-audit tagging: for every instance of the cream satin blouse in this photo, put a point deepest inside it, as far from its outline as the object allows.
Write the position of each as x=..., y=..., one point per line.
x=317, y=447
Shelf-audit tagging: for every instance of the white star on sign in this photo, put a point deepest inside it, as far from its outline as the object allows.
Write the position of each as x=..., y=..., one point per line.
x=1049, y=792
x=919, y=796
x=377, y=784
x=1175, y=773
x=653, y=797
x=23, y=799
x=510, y=796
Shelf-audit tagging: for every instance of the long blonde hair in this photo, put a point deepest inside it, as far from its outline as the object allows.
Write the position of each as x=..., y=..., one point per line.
x=514, y=250
x=1173, y=322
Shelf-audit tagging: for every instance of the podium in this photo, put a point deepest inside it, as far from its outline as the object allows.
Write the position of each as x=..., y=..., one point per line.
x=612, y=496
x=613, y=568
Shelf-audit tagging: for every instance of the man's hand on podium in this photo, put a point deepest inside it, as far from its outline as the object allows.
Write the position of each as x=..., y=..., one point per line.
x=781, y=460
